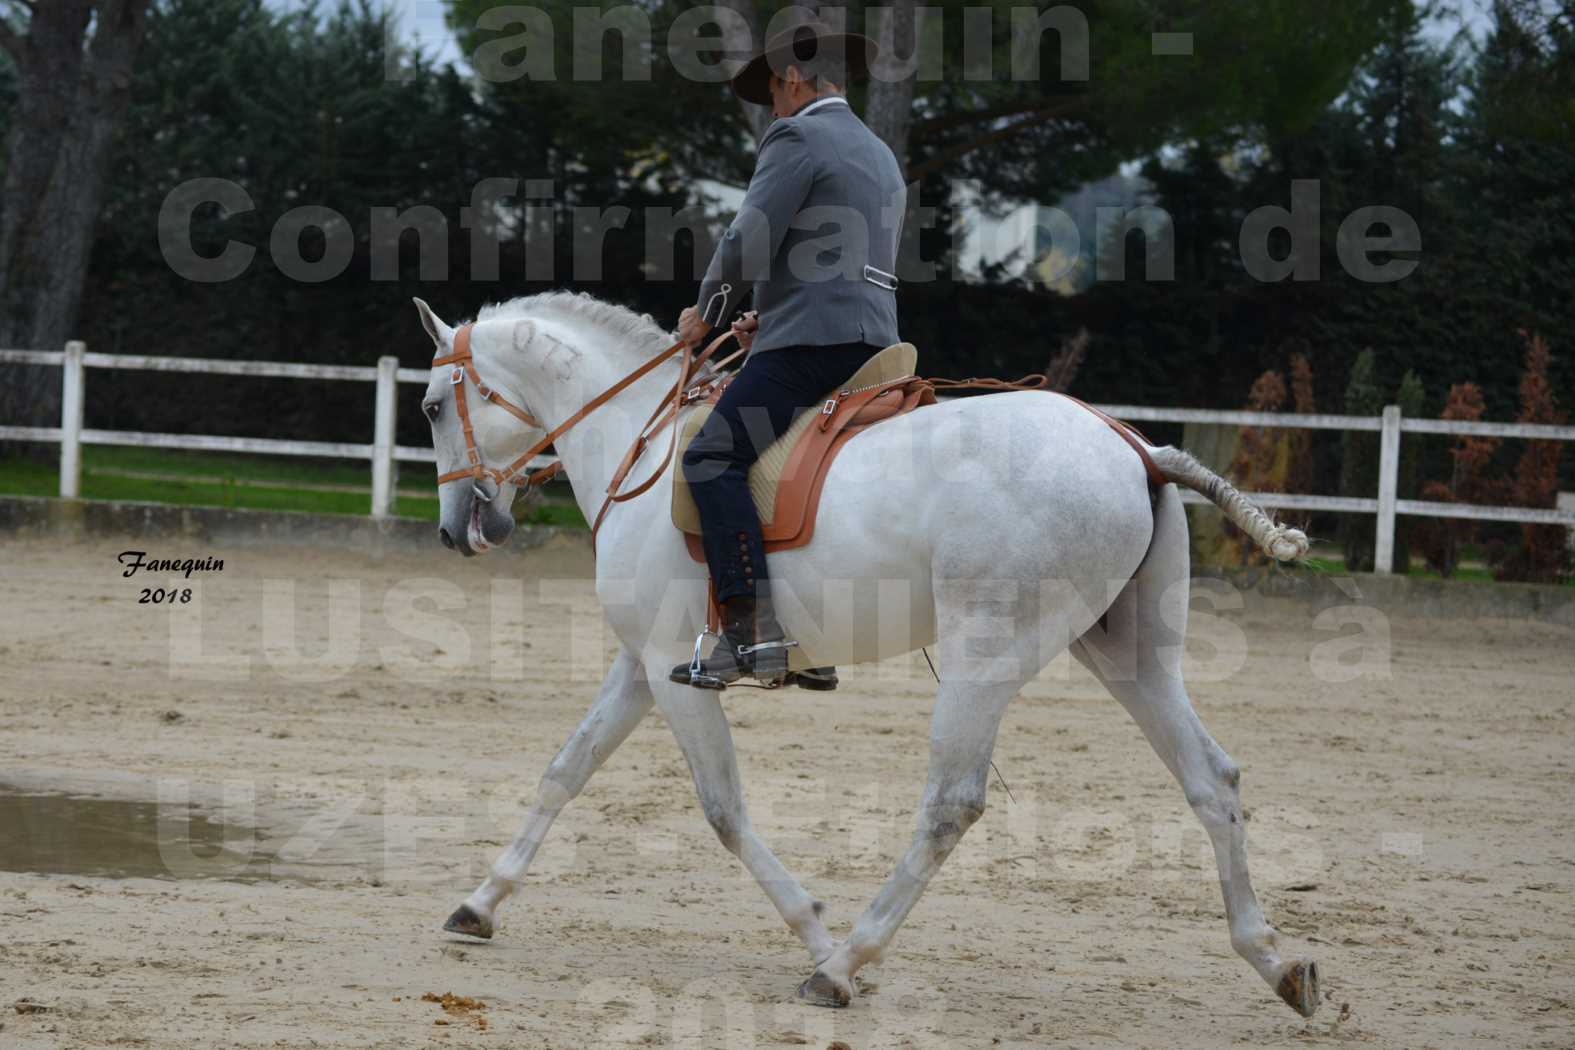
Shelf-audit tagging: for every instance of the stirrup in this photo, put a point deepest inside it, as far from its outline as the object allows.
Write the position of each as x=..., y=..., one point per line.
x=695, y=674
x=767, y=662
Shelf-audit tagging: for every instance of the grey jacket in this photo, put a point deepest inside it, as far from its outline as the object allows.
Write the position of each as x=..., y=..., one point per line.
x=816, y=236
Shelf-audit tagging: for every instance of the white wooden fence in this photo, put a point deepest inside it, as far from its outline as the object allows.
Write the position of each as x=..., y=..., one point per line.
x=383, y=453
x=71, y=435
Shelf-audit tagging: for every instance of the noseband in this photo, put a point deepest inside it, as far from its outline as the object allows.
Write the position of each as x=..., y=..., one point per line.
x=464, y=368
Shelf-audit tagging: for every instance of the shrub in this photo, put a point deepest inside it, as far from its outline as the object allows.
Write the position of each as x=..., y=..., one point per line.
x=1471, y=457
x=1063, y=367
x=1262, y=461
x=1543, y=553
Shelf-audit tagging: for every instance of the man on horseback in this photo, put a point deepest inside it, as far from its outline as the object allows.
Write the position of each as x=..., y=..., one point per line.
x=823, y=305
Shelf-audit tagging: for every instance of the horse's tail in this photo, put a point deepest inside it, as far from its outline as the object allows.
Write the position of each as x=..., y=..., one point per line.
x=1280, y=542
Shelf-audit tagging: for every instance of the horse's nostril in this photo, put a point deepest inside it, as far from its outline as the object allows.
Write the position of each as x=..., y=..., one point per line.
x=448, y=541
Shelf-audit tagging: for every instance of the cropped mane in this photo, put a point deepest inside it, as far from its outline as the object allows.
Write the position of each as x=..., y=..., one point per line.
x=618, y=320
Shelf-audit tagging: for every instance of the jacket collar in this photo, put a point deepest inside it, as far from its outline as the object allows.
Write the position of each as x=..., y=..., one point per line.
x=818, y=103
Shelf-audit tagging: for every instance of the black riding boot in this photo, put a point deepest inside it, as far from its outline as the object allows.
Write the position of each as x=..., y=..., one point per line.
x=753, y=644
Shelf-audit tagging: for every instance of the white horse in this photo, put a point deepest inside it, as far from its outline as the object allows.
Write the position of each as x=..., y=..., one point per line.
x=1023, y=503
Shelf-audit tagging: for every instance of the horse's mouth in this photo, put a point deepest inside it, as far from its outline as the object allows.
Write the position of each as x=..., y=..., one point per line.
x=475, y=539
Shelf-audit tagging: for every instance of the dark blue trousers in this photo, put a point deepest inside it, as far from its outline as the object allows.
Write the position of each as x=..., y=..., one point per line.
x=756, y=408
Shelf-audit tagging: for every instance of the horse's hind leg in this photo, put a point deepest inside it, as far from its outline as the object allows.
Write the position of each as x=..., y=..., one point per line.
x=1139, y=660
x=976, y=687
x=962, y=738
x=624, y=699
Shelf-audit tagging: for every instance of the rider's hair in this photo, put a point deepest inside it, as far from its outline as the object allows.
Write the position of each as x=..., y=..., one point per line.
x=823, y=73
x=821, y=69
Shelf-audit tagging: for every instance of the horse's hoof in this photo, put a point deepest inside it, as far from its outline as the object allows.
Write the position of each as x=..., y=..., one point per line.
x=466, y=921
x=1299, y=987
x=823, y=990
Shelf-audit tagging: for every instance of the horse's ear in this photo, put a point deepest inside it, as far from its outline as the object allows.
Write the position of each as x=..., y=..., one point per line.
x=441, y=333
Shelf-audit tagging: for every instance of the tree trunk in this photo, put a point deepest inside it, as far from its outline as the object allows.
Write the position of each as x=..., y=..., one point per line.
x=72, y=95
x=889, y=108
x=747, y=44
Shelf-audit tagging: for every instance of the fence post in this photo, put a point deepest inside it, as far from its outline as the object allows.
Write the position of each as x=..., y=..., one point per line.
x=71, y=390
x=383, y=437
x=1388, y=490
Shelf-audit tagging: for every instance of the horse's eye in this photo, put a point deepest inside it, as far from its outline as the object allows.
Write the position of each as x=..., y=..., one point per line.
x=431, y=408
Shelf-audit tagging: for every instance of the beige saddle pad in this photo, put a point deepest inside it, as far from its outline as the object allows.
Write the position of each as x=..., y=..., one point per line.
x=894, y=362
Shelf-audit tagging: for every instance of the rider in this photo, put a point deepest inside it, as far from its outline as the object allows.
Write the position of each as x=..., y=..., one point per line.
x=816, y=239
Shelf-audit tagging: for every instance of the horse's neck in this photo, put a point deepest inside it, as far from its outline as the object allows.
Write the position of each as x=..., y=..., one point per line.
x=592, y=450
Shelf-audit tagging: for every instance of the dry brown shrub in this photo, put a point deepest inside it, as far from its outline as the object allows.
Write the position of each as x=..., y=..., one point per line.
x=1543, y=554
x=1469, y=481
x=1063, y=367
x=1270, y=459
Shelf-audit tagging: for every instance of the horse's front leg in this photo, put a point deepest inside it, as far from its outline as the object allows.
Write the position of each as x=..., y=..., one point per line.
x=700, y=725
x=624, y=699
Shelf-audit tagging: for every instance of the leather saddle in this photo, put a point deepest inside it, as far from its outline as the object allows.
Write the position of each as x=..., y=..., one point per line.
x=786, y=480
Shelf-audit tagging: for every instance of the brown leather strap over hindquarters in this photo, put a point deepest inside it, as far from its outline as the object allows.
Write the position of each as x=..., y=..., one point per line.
x=1132, y=436
x=1128, y=433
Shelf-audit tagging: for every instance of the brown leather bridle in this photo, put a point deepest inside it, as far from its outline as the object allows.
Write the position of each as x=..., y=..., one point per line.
x=684, y=391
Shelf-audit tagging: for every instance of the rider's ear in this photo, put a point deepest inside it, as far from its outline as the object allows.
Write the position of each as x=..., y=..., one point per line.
x=441, y=333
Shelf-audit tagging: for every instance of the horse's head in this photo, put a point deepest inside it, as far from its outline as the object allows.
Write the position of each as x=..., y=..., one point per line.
x=475, y=506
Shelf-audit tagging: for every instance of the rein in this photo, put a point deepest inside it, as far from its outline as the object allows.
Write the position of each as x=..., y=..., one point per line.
x=681, y=394
x=684, y=391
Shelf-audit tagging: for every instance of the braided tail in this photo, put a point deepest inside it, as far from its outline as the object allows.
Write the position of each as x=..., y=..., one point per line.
x=1280, y=542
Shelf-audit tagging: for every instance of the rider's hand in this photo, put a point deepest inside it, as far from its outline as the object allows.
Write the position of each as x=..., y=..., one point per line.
x=692, y=327
x=745, y=328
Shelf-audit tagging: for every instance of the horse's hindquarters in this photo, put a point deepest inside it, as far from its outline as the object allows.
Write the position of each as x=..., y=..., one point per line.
x=1013, y=505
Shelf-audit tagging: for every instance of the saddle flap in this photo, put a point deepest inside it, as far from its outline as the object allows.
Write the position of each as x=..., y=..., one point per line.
x=895, y=362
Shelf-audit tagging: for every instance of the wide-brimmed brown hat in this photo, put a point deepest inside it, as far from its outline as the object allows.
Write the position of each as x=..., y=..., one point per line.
x=808, y=40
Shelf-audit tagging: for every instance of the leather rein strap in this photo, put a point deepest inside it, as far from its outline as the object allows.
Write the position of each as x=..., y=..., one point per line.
x=464, y=368
x=683, y=392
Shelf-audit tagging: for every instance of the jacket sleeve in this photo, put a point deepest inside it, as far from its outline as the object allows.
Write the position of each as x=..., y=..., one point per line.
x=784, y=172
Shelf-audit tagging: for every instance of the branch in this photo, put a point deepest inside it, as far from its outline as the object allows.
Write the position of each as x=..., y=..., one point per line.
x=945, y=157
x=1011, y=109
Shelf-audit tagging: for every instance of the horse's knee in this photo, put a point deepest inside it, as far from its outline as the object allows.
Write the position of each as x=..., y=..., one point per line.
x=558, y=787
x=725, y=822
x=1216, y=797
x=946, y=823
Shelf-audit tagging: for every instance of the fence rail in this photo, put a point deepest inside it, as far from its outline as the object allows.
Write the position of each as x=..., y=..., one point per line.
x=71, y=435
x=383, y=453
